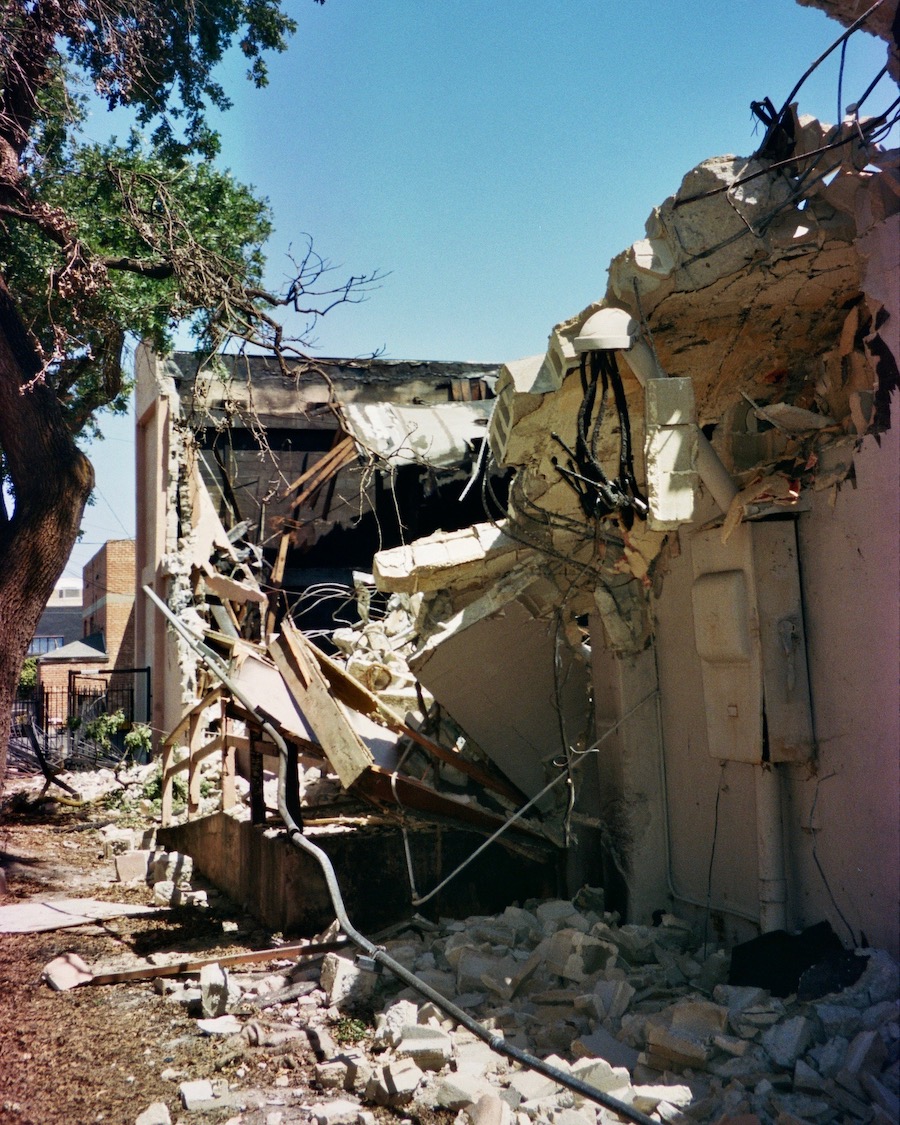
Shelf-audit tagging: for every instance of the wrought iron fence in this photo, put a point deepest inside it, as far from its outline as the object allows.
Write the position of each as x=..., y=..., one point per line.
x=66, y=722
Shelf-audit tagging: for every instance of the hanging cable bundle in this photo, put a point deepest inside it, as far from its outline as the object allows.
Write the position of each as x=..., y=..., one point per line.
x=598, y=494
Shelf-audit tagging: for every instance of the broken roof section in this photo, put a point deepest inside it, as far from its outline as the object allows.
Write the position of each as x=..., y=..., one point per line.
x=768, y=288
x=273, y=450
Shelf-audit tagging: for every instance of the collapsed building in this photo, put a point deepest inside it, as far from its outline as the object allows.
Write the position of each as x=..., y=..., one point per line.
x=645, y=583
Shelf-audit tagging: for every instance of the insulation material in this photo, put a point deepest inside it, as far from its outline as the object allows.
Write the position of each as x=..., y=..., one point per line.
x=440, y=436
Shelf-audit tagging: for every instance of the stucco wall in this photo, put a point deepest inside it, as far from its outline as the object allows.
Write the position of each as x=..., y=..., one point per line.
x=849, y=564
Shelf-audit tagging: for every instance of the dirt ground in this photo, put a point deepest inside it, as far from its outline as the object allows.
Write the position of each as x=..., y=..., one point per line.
x=104, y=1053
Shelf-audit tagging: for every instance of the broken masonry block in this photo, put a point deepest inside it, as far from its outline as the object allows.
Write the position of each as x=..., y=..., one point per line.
x=785, y=1042
x=133, y=866
x=394, y=1084
x=344, y=983
x=214, y=990
x=66, y=971
x=342, y=1112
x=157, y=1113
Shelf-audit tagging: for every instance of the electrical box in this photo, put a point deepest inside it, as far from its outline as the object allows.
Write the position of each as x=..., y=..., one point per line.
x=748, y=629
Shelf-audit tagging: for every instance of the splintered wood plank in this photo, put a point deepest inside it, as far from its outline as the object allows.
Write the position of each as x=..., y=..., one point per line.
x=358, y=697
x=338, y=453
x=347, y=753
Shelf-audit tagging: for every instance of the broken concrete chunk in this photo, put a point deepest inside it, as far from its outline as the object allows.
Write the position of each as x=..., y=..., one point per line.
x=599, y=1073
x=531, y=1086
x=344, y=983
x=472, y=966
x=390, y=1023
x=157, y=1113
x=490, y=1110
x=881, y=1096
x=599, y=1044
x=553, y=913
x=699, y=1016
x=838, y=1019
x=202, y=1095
x=220, y=1025
x=456, y=1091
x=394, y=1084
x=574, y=955
x=133, y=866
x=679, y=1047
x=785, y=1042
x=116, y=841
x=430, y=1047
x=647, y=1098
x=172, y=867
x=342, y=1112
x=866, y=1052
x=66, y=971
x=807, y=1079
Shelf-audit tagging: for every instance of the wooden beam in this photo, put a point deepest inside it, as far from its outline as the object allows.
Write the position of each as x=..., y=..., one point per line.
x=347, y=753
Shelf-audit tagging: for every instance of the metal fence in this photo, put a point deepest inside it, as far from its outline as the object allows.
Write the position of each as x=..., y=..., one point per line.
x=61, y=720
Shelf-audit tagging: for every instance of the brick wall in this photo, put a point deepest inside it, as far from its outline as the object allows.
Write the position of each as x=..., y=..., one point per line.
x=108, y=605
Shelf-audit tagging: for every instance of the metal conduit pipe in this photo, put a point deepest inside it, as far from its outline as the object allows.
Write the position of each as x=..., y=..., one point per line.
x=378, y=955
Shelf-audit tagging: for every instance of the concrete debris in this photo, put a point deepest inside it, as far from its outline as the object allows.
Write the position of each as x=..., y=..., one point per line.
x=597, y=1000
x=66, y=971
x=203, y=1095
x=213, y=991
x=155, y=1114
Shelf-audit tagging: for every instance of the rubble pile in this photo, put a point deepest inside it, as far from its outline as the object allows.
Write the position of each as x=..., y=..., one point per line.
x=642, y=1013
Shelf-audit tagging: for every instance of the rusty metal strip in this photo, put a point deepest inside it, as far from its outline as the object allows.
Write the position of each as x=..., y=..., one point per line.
x=179, y=968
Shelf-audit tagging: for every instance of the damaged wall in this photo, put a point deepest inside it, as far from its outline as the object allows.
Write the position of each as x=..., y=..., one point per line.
x=768, y=285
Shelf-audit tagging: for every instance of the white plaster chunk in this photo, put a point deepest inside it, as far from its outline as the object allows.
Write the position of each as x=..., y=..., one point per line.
x=531, y=1086
x=344, y=983
x=430, y=1047
x=490, y=1109
x=341, y=1112
x=389, y=1025
x=157, y=1113
x=214, y=990
x=395, y=1083
x=202, y=1095
x=456, y=1091
x=652, y=255
x=601, y=1074
x=647, y=1098
x=787, y=1041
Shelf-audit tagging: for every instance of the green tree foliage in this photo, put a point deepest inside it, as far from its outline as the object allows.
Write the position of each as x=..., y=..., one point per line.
x=100, y=242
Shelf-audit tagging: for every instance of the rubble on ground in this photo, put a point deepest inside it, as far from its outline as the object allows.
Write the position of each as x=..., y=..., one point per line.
x=642, y=1013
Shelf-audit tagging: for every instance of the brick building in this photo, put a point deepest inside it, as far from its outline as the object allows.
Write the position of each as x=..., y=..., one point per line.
x=108, y=600
x=107, y=634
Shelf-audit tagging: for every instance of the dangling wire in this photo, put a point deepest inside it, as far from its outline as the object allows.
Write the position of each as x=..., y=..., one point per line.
x=584, y=473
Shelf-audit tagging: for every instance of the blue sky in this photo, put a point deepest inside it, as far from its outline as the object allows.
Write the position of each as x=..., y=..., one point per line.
x=491, y=158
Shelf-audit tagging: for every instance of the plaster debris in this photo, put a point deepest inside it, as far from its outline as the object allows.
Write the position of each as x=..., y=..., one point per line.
x=155, y=1114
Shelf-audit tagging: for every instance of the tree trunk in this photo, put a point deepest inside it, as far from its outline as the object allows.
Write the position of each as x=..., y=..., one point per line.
x=51, y=480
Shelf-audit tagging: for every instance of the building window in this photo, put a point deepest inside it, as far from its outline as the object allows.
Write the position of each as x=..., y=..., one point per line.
x=41, y=645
